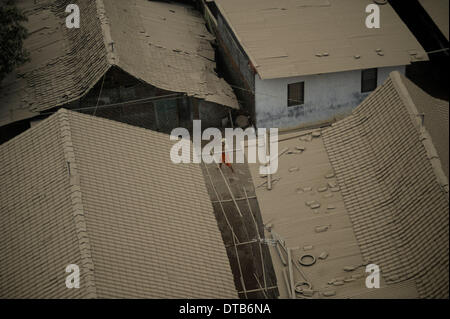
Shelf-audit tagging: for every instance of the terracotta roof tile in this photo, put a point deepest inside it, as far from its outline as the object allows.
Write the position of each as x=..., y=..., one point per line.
x=395, y=192
x=166, y=45
x=170, y=50
x=106, y=196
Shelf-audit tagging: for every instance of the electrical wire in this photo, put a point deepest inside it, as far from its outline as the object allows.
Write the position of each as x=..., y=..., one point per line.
x=174, y=96
x=100, y=93
x=178, y=96
x=436, y=51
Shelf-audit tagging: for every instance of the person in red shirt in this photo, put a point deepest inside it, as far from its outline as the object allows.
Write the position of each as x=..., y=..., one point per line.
x=225, y=158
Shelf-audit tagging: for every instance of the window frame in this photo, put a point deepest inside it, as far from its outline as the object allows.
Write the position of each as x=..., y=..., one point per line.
x=296, y=102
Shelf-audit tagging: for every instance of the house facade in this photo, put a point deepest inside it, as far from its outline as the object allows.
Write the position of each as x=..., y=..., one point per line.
x=323, y=97
x=296, y=63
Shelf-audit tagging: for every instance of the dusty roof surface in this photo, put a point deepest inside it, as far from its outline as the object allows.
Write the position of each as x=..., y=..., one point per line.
x=286, y=208
x=165, y=45
x=394, y=188
x=438, y=11
x=283, y=37
x=382, y=198
x=435, y=114
x=105, y=195
x=65, y=63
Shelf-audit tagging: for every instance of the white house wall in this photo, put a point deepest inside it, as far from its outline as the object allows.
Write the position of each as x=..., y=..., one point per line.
x=326, y=96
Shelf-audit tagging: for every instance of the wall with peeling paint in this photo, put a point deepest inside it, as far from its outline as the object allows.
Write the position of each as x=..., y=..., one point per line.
x=326, y=96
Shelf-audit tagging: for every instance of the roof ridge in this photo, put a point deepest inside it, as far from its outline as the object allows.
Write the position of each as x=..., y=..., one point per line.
x=77, y=204
x=111, y=57
x=425, y=137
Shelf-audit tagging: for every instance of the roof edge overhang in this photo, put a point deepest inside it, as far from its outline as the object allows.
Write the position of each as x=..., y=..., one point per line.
x=424, y=56
x=385, y=65
x=33, y=113
x=189, y=94
x=224, y=15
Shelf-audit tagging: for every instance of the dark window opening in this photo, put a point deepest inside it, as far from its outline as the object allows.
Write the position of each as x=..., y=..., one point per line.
x=368, y=80
x=296, y=93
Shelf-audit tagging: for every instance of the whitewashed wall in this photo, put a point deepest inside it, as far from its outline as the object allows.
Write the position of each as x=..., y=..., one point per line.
x=326, y=96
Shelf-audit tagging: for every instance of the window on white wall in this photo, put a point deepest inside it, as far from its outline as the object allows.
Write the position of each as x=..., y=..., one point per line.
x=368, y=80
x=296, y=94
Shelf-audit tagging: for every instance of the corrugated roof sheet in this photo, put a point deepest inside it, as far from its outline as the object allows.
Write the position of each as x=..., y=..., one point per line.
x=283, y=37
x=394, y=189
x=166, y=45
x=106, y=196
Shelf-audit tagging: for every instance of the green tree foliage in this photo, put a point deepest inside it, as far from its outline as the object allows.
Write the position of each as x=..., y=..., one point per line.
x=12, y=34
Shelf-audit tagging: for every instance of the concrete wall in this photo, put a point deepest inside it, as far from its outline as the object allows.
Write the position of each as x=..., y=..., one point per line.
x=326, y=96
x=235, y=65
x=235, y=50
